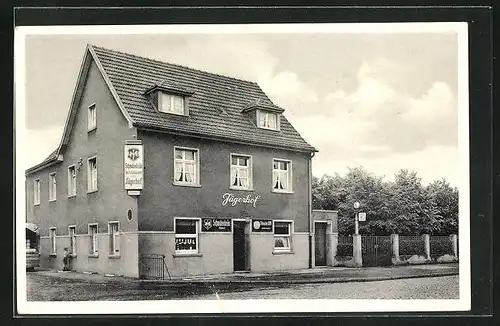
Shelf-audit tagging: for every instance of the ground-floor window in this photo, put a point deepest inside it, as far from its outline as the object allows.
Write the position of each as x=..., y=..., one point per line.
x=72, y=239
x=52, y=235
x=93, y=238
x=282, y=235
x=114, y=239
x=186, y=236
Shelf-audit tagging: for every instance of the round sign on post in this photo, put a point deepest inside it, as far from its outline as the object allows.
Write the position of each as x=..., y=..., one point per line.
x=356, y=205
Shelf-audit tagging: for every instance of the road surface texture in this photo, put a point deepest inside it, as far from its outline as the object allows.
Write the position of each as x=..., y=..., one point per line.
x=46, y=288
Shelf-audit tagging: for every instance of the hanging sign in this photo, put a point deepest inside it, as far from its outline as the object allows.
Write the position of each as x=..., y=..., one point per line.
x=262, y=226
x=362, y=217
x=232, y=200
x=216, y=225
x=133, y=169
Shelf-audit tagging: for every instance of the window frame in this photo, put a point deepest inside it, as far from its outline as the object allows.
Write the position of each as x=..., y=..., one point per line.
x=289, y=163
x=91, y=122
x=71, y=186
x=52, y=238
x=52, y=186
x=113, y=240
x=161, y=98
x=93, y=241
x=266, y=112
x=197, y=178
x=36, y=191
x=196, y=236
x=290, y=234
x=89, y=176
x=249, y=169
x=72, y=239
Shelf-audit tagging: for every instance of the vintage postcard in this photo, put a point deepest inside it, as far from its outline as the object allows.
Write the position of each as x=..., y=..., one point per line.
x=242, y=168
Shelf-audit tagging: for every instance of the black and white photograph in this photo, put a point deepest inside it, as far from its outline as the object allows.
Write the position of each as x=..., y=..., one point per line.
x=242, y=168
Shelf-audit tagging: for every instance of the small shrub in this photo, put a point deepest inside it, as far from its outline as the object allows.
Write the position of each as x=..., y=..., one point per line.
x=446, y=259
x=416, y=259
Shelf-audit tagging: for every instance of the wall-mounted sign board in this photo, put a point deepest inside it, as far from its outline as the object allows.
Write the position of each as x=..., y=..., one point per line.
x=133, y=165
x=262, y=225
x=216, y=225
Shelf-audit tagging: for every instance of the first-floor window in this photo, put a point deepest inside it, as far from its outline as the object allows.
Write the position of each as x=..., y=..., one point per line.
x=92, y=174
x=282, y=234
x=114, y=239
x=72, y=239
x=186, y=236
x=52, y=234
x=93, y=238
x=282, y=180
x=186, y=166
x=241, y=171
x=36, y=191
x=52, y=186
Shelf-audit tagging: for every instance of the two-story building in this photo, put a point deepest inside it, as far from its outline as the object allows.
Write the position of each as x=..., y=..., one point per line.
x=158, y=158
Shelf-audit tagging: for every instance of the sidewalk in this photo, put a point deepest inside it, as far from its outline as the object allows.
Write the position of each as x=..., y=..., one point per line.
x=316, y=275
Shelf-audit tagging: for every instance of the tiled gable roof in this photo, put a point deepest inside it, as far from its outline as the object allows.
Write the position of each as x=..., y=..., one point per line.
x=215, y=108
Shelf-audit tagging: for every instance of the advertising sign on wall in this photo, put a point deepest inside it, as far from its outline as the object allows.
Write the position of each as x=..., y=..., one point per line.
x=216, y=225
x=262, y=225
x=133, y=168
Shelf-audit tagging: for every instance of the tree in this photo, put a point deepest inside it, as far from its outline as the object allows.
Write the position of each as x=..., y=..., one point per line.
x=445, y=199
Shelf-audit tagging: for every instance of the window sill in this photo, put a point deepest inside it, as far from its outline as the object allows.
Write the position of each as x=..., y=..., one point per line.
x=283, y=252
x=91, y=129
x=192, y=185
x=72, y=196
x=174, y=113
x=52, y=255
x=52, y=200
x=92, y=191
x=36, y=204
x=73, y=255
x=114, y=256
x=178, y=255
x=270, y=129
x=243, y=189
x=282, y=191
x=94, y=256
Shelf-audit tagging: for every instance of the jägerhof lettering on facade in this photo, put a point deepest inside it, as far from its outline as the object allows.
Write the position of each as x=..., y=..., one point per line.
x=230, y=199
x=133, y=168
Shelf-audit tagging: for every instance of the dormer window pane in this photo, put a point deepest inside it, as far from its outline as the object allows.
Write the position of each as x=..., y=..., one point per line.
x=267, y=120
x=172, y=103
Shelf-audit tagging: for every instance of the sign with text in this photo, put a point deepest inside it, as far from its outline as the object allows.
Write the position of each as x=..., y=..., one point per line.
x=216, y=225
x=362, y=217
x=232, y=200
x=133, y=169
x=262, y=226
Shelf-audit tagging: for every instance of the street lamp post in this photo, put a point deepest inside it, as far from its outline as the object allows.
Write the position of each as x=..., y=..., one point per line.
x=356, y=222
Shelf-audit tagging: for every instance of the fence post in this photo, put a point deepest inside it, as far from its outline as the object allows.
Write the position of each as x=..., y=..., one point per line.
x=395, y=246
x=334, y=240
x=427, y=244
x=356, y=250
x=453, y=239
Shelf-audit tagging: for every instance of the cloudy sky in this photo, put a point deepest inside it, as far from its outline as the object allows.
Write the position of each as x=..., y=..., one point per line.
x=383, y=101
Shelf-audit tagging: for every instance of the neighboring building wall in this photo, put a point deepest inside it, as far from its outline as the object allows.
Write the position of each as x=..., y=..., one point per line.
x=160, y=200
x=109, y=203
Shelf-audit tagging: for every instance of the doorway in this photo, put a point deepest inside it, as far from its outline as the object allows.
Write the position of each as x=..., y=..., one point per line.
x=240, y=246
x=320, y=243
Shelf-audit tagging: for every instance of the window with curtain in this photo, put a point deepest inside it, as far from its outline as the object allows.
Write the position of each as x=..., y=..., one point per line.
x=282, y=175
x=241, y=172
x=186, y=166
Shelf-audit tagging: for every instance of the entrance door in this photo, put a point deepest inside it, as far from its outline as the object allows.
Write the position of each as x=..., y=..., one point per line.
x=320, y=243
x=239, y=246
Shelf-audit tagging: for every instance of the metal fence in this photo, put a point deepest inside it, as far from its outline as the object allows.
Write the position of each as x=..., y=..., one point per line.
x=152, y=266
x=344, y=246
x=376, y=250
x=410, y=245
x=440, y=245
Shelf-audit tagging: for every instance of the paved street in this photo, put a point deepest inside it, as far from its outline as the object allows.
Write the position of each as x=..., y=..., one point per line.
x=46, y=288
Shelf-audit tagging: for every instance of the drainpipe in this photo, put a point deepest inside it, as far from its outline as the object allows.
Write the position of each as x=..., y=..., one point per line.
x=309, y=204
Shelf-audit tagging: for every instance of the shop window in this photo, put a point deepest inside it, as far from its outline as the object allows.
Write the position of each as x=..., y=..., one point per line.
x=71, y=181
x=92, y=174
x=282, y=236
x=114, y=239
x=186, y=236
x=52, y=235
x=36, y=192
x=93, y=239
x=92, y=118
x=267, y=120
x=170, y=103
x=186, y=166
x=282, y=176
x=241, y=172
x=72, y=239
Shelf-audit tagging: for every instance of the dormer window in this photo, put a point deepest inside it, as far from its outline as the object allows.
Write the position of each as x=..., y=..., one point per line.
x=267, y=120
x=170, y=103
